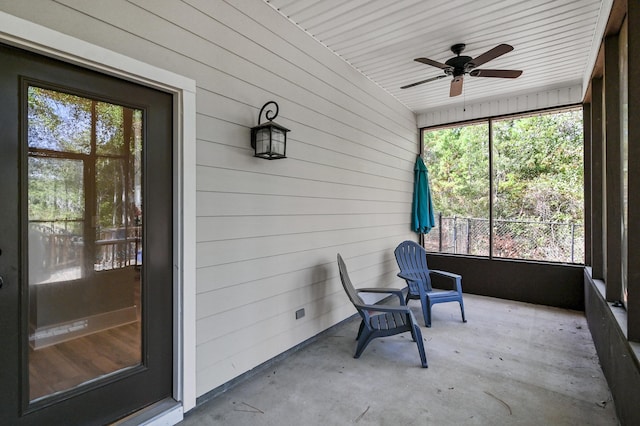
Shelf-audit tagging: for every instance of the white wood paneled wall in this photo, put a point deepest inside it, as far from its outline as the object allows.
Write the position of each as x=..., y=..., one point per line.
x=551, y=98
x=268, y=231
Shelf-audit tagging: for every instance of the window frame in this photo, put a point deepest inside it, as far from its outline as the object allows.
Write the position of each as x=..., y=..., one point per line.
x=489, y=120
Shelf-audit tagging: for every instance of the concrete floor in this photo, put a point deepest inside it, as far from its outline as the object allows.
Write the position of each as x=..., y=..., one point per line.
x=510, y=364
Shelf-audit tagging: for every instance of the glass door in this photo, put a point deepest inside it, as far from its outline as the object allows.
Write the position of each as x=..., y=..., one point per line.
x=86, y=318
x=84, y=195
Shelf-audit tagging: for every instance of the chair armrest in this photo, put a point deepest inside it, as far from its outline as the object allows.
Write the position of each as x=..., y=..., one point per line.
x=380, y=290
x=445, y=274
x=385, y=308
x=457, y=279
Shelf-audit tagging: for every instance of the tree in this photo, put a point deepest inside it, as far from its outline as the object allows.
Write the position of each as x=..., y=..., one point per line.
x=537, y=168
x=458, y=164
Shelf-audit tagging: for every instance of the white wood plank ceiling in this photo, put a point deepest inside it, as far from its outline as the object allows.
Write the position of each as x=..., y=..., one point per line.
x=555, y=42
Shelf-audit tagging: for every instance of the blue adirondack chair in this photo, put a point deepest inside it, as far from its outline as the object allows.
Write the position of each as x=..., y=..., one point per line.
x=380, y=320
x=412, y=260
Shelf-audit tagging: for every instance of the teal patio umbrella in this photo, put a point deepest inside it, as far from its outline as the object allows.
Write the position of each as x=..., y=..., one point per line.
x=423, y=220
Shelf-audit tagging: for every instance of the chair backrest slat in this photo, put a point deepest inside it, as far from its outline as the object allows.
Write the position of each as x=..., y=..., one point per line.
x=412, y=259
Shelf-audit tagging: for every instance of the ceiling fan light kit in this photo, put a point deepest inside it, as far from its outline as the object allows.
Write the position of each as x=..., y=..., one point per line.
x=458, y=66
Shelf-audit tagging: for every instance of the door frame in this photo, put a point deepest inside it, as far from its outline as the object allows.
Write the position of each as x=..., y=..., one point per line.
x=44, y=41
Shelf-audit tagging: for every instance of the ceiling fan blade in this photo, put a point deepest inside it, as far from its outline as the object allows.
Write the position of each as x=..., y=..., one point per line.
x=456, y=86
x=496, y=73
x=433, y=63
x=423, y=81
x=499, y=50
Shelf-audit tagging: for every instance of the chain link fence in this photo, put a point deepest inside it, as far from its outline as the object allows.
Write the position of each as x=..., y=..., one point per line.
x=513, y=239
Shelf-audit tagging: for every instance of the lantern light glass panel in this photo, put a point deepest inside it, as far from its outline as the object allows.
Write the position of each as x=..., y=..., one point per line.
x=263, y=141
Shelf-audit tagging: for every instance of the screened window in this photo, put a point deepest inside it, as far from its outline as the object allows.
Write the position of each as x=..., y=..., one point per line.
x=458, y=162
x=509, y=188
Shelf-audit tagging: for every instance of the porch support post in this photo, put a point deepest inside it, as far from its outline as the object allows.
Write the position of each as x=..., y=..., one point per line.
x=633, y=271
x=596, y=179
x=586, y=119
x=612, y=171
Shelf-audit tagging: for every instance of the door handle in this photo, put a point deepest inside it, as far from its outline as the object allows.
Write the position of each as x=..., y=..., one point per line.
x=1, y=282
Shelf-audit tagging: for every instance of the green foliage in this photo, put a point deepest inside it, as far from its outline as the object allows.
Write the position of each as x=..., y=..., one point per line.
x=458, y=164
x=55, y=189
x=537, y=166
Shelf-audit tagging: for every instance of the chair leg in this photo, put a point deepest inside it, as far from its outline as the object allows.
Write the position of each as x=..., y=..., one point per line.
x=413, y=330
x=362, y=343
x=462, y=310
x=426, y=312
x=418, y=337
x=360, y=329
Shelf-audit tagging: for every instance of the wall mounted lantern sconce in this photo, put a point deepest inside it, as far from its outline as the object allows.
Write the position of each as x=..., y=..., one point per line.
x=269, y=140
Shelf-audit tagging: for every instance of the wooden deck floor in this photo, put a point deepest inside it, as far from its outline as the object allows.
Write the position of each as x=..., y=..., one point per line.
x=65, y=365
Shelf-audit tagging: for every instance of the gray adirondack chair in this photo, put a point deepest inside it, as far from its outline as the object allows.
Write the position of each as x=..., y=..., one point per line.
x=380, y=320
x=412, y=261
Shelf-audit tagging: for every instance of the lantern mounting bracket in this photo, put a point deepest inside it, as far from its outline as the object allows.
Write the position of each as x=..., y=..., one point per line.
x=266, y=115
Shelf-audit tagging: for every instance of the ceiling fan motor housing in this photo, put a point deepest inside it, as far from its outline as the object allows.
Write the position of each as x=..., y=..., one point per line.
x=459, y=64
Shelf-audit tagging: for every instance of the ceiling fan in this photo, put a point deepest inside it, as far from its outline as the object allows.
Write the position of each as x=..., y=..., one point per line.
x=458, y=66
